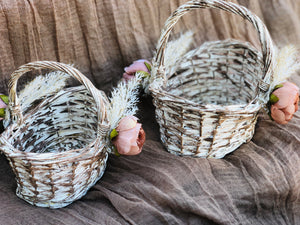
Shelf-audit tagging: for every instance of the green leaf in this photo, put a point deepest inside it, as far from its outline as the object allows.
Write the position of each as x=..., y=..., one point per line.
x=148, y=66
x=143, y=73
x=114, y=133
x=278, y=86
x=116, y=152
x=2, y=112
x=4, y=99
x=273, y=99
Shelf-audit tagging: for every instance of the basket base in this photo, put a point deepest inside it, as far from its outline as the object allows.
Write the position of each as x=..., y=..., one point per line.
x=218, y=155
x=216, y=147
x=62, y=200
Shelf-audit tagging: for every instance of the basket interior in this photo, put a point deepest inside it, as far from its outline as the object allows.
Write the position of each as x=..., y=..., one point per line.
x=67, y=121
x=222, y=73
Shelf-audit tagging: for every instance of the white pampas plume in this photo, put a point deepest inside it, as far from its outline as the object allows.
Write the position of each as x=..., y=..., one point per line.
x=176, y=49
x=42, y=86
x=124, y=99
x=286, y=64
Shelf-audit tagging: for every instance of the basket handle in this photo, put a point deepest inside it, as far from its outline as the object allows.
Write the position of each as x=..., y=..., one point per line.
x=268, y=50
x=73, y=72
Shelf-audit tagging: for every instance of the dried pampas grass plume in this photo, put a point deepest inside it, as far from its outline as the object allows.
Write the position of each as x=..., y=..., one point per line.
x=123, y=99
x=176, y=49
x=287, y=63
x=42, y=86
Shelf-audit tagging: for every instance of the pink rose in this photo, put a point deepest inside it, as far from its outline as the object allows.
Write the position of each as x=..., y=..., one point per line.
x=287, y=104
x=131, y=136
x=3, y=105
x=139, y=65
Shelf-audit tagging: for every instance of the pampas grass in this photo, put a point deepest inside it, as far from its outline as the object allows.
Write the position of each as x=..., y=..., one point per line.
x=42, y=86
x=124, y=99
x=176, y=49
x=286, y=65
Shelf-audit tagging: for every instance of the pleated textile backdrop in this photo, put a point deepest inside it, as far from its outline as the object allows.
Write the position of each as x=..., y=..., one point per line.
x=257, y=184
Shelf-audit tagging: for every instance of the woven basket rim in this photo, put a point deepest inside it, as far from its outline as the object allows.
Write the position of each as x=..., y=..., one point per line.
x=167, y=97
x=55, y=156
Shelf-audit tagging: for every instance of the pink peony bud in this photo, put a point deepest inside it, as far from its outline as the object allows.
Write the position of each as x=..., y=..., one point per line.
x=139, y=65
x=287, y=98
x=131, y=136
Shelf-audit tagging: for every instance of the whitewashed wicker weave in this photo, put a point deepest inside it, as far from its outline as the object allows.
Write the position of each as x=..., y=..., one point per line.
x=207, y=107
x=57, y=149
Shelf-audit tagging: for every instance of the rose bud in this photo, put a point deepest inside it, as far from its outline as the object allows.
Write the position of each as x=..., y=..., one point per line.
x=284, y=102
x=140, y=65
x=3, y=105
x=131, y=136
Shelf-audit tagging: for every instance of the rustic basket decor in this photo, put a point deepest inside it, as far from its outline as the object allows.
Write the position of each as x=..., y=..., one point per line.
x=56, y=149
x=207, y=105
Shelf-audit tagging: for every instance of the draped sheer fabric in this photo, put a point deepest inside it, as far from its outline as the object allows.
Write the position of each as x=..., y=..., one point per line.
x=257, y=184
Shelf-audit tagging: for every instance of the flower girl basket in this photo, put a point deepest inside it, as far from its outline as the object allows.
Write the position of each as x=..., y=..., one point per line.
x=207, y=104
x=57, y=148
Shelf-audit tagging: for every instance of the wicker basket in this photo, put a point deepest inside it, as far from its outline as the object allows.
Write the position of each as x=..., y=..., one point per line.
x=57, y=150
x=208, y=105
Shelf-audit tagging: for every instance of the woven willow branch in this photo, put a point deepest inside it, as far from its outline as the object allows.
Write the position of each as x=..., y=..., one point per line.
x=70, y=129
x=208, y=107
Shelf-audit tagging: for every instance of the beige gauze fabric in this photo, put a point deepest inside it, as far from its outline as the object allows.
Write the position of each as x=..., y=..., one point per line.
x=259, y=183
x=101, y=37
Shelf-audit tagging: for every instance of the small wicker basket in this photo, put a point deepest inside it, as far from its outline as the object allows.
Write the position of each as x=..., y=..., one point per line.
x=57, y=150
x=208, y=105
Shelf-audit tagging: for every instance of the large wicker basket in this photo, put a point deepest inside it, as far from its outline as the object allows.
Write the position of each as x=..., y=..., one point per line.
x=208, y=105
x=57, y=149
